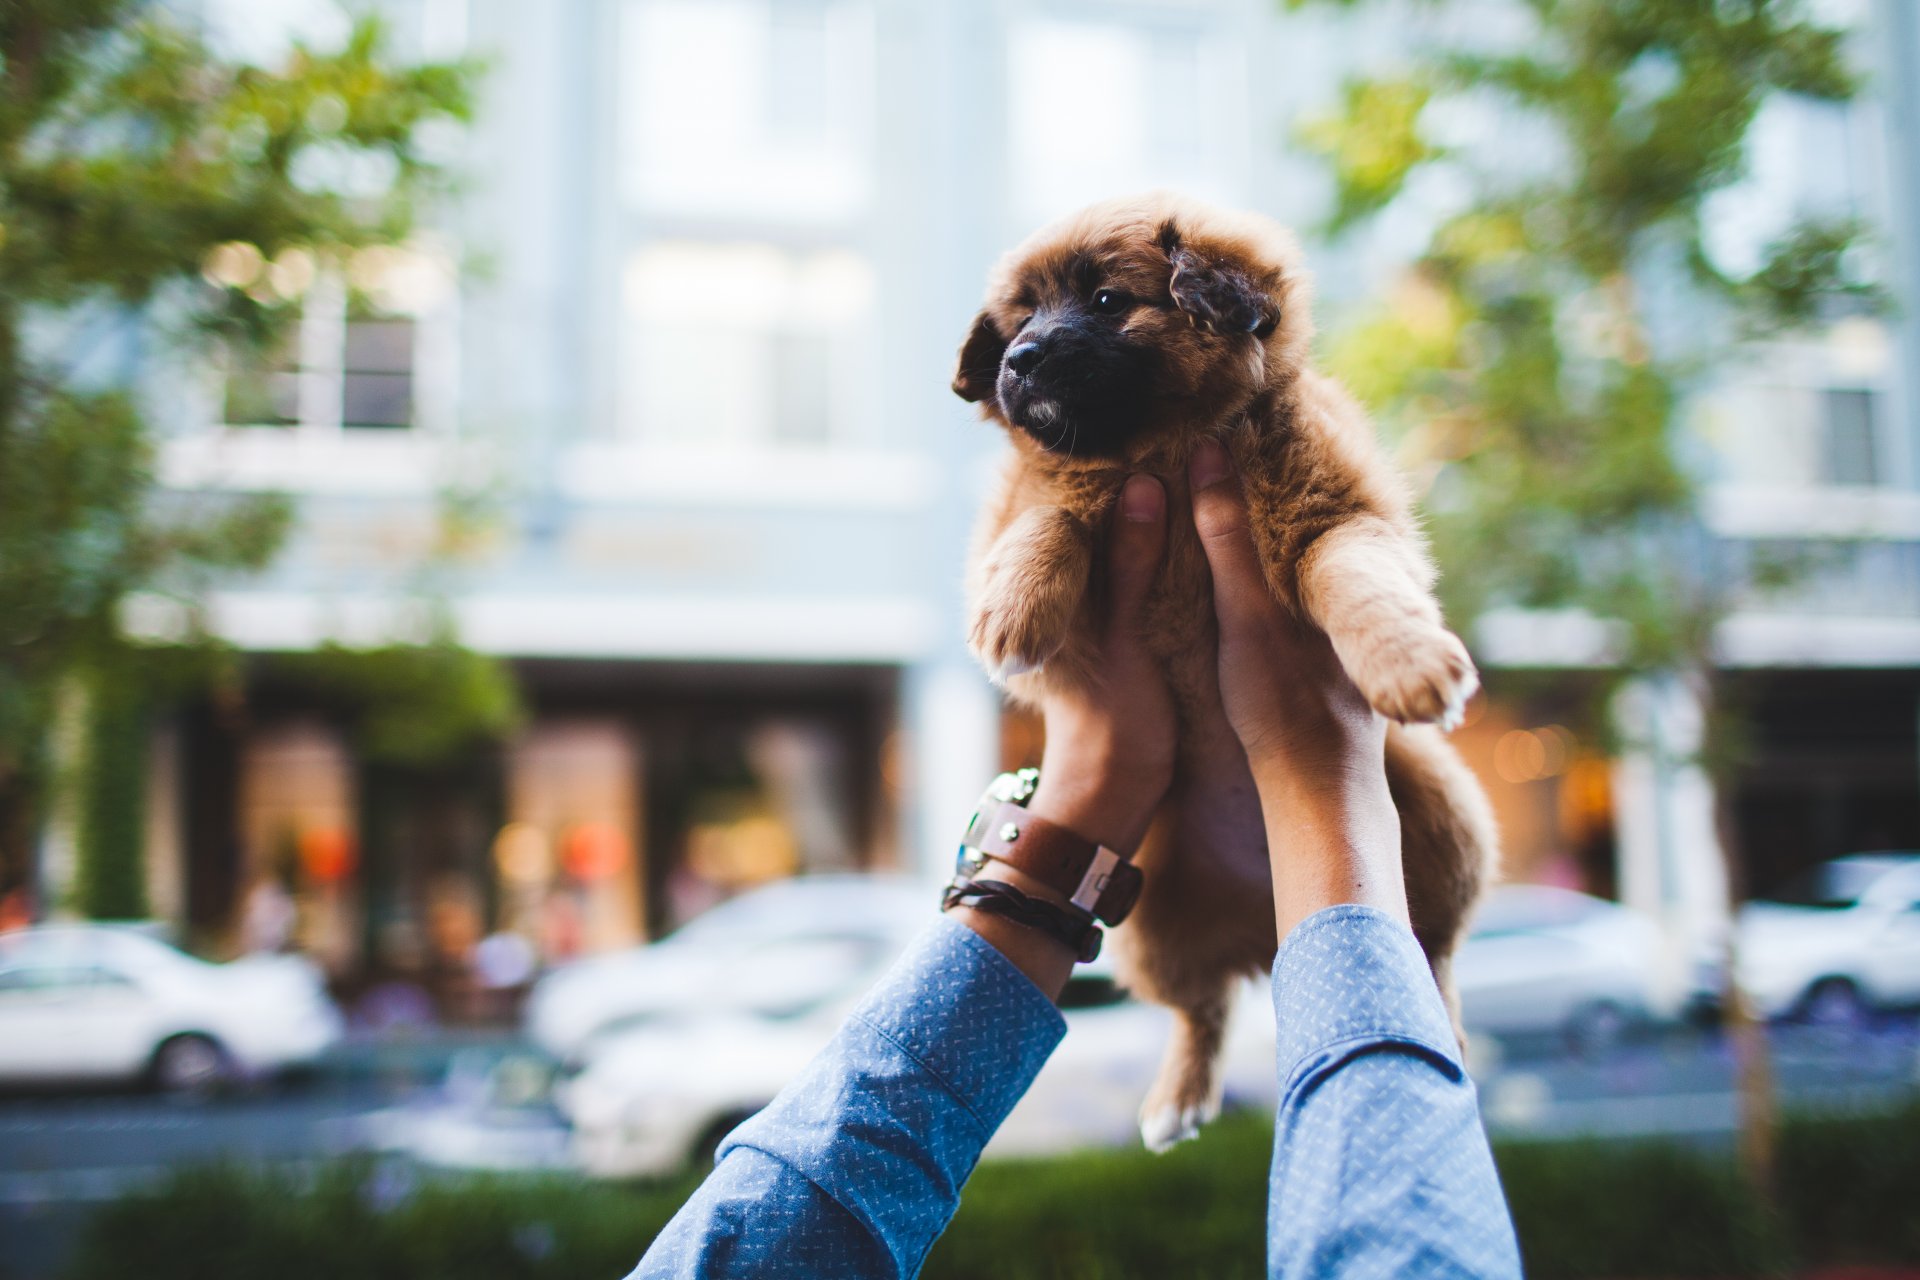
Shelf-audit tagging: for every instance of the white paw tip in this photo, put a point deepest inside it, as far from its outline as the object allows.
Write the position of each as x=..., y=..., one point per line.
x=1167, y=1127
x=1454, y=714
x=1008, y=668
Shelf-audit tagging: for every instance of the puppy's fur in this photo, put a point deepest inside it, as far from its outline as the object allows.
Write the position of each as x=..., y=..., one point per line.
x=1111, y=343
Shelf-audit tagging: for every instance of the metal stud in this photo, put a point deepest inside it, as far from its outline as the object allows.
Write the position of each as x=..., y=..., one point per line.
x=1009, y=833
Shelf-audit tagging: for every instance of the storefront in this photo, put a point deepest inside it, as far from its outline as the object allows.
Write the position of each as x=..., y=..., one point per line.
x=633, y=797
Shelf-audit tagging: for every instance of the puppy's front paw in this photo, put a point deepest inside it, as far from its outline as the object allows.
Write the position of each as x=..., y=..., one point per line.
x=1010, y=641
x=1427, y=681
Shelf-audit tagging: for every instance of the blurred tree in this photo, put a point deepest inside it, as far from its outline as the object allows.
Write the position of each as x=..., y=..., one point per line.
x=137, y=168
x=412, y=704
x=1534, y=376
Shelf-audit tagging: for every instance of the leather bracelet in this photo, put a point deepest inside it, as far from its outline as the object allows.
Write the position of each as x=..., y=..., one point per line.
x=1075, y=931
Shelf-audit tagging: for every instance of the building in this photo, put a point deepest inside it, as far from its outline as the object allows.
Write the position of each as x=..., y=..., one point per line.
x=686, y=338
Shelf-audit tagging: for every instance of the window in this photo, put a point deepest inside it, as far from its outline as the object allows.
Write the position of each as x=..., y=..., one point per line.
x=754, y=116
x=1804, y=412
x=376, y=373
x=263, y=388
x=63, y=982
x=1850, y=421
x=747, y=108
x=353, y=357
x=746, y=344
x=1126, y=106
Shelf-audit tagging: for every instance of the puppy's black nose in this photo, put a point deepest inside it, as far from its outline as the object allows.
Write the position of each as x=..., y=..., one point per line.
x=1024, y=357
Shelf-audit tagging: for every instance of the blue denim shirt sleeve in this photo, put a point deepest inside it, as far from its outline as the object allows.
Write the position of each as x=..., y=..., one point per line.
x=856, y=1167
x=1380, y=1163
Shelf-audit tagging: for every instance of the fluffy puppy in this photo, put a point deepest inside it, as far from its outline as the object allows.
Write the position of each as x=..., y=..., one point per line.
x=1111, y=343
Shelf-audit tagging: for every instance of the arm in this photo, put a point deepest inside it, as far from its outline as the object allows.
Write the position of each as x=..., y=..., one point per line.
x=1380, y=1164
x=857, y=1166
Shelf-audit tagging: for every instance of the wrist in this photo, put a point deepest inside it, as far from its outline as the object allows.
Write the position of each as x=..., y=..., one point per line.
x=1047, y=961
x=1095, y=804
x=1333, y=836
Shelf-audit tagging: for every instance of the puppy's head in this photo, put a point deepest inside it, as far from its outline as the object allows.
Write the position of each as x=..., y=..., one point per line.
x=1133, y=319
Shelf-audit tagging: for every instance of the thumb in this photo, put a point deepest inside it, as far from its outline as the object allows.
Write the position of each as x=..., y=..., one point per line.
x=1240, y=596
x=1135, y=545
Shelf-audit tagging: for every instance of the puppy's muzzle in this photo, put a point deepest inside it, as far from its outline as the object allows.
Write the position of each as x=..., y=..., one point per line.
x=1025, y=357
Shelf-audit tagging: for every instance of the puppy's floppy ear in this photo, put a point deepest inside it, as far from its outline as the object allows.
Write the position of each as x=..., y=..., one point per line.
x=1217, y=297
x=979, y=366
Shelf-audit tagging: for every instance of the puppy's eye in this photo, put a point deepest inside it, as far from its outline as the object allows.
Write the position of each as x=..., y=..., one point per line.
x=1111, y=302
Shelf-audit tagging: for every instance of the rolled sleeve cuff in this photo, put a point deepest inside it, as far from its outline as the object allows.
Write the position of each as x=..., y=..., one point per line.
x=890, y=1119
x=1352, y=980
x=962, y=1010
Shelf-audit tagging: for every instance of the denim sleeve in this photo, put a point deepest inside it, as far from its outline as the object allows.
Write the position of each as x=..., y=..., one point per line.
x=856, y=1167
x=1380, y=1163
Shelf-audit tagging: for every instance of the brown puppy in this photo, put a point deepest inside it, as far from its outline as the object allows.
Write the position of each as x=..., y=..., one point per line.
x=1110, y=343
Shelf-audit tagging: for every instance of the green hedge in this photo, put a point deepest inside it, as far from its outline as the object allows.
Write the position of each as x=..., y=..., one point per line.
x=1582, y=1209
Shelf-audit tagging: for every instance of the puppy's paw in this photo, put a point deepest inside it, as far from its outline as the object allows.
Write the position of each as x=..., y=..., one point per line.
x=1427, y=681
x=1010, y=642
x=1165, y=1125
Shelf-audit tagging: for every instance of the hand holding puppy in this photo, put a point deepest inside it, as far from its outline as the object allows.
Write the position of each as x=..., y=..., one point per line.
x=1317, y=750
x=1110, y=743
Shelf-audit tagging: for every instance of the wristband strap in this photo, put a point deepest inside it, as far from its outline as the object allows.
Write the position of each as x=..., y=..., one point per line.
x=1094, y=878
x=996, y=897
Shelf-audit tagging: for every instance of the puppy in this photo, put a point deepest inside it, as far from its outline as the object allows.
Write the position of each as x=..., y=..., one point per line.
x=1111, y=343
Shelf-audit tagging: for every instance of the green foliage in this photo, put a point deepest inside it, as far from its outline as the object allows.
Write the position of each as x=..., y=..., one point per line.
x=1850, y=1189
x=1609, y=1209
x=1808, y=274
x=1201, y=1209
x=1373, y=142
x=131, y=150
x=111, y=833
x=413, y=704
x=1527, y=384
x=1582, y=1209
x=129, y=153
x=373, y=1222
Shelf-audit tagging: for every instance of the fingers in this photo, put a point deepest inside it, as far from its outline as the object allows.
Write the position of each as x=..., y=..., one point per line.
x=1138, y=539
x=1240, y=596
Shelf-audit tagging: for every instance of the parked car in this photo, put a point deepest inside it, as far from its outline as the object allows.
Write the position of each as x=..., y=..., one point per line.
x=1836, y=943
x=87, y=1003
x=780, y=947
x=663, y=1093
x=1545, y=960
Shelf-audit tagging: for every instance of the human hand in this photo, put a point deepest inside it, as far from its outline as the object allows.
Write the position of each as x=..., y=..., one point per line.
x=1285, y=693
x=1316, y=749
x=1110, y=743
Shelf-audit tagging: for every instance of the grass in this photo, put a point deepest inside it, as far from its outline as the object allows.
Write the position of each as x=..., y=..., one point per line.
x=1849, y=1191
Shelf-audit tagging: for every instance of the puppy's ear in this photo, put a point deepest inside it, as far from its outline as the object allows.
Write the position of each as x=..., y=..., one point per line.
x=979, y=366
x=1216, y=296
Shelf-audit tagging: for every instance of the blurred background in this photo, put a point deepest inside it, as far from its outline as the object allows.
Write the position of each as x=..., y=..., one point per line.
x=479, y=492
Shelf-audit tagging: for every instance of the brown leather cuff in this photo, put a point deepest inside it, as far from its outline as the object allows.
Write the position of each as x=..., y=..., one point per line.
x=1095, y=879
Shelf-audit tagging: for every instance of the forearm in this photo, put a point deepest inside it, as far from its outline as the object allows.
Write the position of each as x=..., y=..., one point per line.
x=1380, y=1164
x=1333, y=839
x=857, y=1165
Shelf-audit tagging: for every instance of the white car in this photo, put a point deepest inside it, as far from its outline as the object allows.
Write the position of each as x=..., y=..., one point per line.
x=780, y=947
x=1837, y=942
x=92, y=1003
x=1540, y=959
x=661, y=1095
